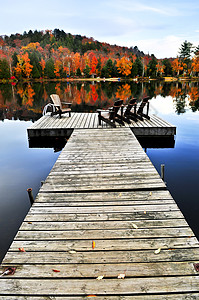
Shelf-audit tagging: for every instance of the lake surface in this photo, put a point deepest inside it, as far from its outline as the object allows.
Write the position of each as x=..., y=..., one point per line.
x=22, y=167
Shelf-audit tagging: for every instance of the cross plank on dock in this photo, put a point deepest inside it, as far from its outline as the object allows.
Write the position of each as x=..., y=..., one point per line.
x=103, y=189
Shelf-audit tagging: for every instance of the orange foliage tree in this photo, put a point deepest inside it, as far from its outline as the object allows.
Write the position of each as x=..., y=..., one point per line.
x=160, y=68
x=195, y=64
x=124, y=66
x=23, y=65
x=92, y=62
x=43, y=64
x=177, y=66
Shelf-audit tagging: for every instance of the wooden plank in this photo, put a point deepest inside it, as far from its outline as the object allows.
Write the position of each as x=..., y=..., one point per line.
x=104, y=234
x=88, y=120
x=105, y=244
x=172, y=296
x=101, y=257
x=105, y=286
x=95, y=203
x=145, y=196
x=163, y=122
x=135, y=215
x=132, y=269
x=103, y=209
x=83, y=225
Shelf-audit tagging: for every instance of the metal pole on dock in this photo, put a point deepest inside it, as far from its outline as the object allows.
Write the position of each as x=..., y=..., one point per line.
x=30, y=196
x=162, y=171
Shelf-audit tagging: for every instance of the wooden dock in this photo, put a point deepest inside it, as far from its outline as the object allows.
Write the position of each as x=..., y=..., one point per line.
x=103, y=225
x=54, y=126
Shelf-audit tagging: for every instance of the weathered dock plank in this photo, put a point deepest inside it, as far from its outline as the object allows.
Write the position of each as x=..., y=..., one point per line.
x=111, y=287
x=103, y=211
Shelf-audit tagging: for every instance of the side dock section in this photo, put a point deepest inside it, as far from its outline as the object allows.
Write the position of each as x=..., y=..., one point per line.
x=103, y=225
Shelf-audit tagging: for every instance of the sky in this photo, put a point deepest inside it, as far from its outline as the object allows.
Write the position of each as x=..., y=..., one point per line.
x=155, y=27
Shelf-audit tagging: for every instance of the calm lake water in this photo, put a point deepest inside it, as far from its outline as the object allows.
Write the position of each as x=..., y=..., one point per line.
x=22, y=167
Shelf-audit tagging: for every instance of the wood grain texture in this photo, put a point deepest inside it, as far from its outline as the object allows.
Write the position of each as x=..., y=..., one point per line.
x=102, y=211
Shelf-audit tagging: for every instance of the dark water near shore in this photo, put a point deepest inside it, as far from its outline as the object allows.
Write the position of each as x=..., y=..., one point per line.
x=22, y=167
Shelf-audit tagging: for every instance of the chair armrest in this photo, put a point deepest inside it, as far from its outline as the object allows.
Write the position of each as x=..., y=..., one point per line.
x=67, y=103
x=102, y=110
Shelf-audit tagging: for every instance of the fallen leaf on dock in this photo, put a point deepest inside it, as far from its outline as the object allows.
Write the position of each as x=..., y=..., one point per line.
x=120, y=194
x=91, y=296
x=196, y=266
x=22, y=250
x=8, y=271
x=145, y=212
x=150, y=194
x=134, y=226
x=72, y=251
x=54, y=270
x=29, y=222
x=157, y=251
x=93, y=244
x=121, y=276
x=100, y=277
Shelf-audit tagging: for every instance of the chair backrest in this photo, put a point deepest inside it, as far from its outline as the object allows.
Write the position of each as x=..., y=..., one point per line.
x=143, y=103
x=117, y=105
x=56, y=100
x=131, y=103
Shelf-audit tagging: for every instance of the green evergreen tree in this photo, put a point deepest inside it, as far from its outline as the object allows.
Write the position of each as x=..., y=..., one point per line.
x=14, y=59
x=34, y=61
x=168, y=71
x=151, y=69
x=103, y=72
x=139, y=66
x=196, y=51
x=4, y=69
x=185, y=54
x=134, y=70
x=109, y=68
x=78, y=72
x=115, y=72
x=87, y=71
x=35, y=71
x=49, y=69
x=185, y=51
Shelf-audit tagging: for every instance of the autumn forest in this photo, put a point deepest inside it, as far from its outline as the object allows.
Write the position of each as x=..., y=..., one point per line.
x=54, y=54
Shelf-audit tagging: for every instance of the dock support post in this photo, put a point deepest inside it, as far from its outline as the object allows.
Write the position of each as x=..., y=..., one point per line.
x=162, y=172
x=30, y=196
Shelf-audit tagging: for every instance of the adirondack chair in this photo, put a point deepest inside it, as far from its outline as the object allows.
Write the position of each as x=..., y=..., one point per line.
x=145, y=102
x=58, y=108
x=130, y=110
x=111, y=116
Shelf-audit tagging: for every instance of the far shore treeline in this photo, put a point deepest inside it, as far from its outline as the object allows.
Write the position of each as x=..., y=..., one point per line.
x=57, y=55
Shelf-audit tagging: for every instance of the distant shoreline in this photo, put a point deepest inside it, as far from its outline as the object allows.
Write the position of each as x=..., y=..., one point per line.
x=138, y=79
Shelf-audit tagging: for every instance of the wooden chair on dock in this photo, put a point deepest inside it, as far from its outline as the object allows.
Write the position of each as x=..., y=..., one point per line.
x=114, y=114
x=130, y=110
x=145, y=102
x=58, y=108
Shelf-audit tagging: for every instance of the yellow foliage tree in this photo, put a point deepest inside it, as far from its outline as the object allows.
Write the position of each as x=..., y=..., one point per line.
x=124, y=66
